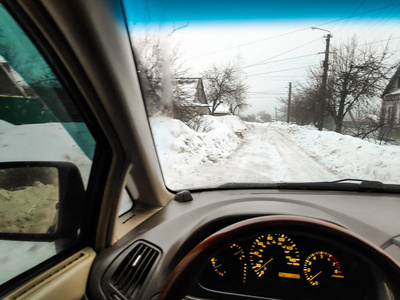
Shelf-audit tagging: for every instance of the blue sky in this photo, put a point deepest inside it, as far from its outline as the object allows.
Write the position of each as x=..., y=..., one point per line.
x=161, y=11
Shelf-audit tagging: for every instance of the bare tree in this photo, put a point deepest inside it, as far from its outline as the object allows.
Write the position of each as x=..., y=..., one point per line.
x=200, y=124
x=159, y=67
x=366, y=121
x=224, y=85
x=264, y=116
x=237, y=102
x=304, y=107
x=304, y=103
x=259, y=117
x=358, y=74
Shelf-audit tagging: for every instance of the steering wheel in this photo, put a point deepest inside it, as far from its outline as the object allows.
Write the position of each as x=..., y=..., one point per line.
x=189, y=269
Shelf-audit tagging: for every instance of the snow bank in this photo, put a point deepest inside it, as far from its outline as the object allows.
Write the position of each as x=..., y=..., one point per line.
x=346, y=156
x=181, y=148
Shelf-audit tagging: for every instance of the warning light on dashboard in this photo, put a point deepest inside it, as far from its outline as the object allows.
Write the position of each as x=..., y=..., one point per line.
x=289, y=275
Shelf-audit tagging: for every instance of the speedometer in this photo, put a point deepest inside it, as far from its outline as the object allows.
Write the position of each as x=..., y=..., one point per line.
x=276, y=255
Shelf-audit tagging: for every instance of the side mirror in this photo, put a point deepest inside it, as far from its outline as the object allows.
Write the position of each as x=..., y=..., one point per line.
x=40, y=201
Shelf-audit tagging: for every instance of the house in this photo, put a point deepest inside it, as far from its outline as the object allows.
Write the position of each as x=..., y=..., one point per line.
x=20, y=104
x=192, y=100
x=391, y=99
x=390, y=114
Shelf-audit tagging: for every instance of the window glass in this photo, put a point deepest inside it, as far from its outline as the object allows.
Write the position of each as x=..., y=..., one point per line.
x=38, y=122
x=269, y=93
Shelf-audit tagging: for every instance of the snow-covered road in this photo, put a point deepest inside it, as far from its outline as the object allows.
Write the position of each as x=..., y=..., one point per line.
x=270, y=154
x=233, y=151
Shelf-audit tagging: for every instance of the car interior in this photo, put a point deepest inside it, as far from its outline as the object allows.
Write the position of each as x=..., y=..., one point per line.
x=233, y=241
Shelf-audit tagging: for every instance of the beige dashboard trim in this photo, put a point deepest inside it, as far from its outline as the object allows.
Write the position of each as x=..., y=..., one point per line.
x=67, y=280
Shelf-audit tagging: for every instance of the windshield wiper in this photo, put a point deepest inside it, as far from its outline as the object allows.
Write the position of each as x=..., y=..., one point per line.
x=344, y=184
x=347, y=184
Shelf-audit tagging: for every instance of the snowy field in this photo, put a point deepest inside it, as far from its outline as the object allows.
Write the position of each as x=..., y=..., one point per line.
x=235, y=151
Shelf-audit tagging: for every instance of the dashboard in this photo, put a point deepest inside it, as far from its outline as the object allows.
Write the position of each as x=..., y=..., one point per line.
x=305, y=264
x=284, y=265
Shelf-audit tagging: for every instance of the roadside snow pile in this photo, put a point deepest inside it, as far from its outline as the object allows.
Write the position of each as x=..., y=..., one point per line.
x=234, y=123
x=177, y=143
x=181, y=148
x=47, y=142
x=346, y=156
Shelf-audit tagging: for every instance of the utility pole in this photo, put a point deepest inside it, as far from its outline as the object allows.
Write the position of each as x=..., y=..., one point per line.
x=289, y=99
x=324, y=89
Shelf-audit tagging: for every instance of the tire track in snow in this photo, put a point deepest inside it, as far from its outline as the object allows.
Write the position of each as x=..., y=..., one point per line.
x=266, y=155
x=301, y=166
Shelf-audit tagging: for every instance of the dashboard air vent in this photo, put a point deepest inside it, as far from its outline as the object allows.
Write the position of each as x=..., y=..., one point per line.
x=132, y=272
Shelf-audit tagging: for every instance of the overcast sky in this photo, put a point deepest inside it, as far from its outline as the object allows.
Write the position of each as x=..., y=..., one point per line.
x=270, y=41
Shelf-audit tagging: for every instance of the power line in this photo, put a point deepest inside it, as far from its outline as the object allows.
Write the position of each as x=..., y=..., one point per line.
x=275, y=61
x=360, y=14
x=249, y=43
x=298, y=47
x=281, y=70
x=296, y=31
x=265, y=93
x=390, y=39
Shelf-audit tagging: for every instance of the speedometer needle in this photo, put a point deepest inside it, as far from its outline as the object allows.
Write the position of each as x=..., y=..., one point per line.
x=240, y=251
x=315, y=275
x=264, y=264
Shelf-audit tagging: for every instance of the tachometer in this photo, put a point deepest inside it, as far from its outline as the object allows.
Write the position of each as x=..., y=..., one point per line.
x=321, y=267
x=275, y=254
x=231, y=263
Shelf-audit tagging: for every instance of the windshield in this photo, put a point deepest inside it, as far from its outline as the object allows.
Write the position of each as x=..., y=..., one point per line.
x=270, y=91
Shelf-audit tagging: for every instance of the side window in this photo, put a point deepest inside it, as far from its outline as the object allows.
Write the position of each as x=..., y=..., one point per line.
x=38, y=123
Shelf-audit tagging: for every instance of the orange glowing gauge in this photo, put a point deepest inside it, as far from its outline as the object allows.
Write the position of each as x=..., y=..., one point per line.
x=231, y=263
x=322, y=268
x=275, y=254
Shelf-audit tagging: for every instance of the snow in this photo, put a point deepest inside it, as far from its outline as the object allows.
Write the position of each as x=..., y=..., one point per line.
x=41, y=142
x=222, y=109
x=35, y=142
x=178, y=144
x=237, y=151
x=346, y=156
x=397, y=92
x=188, y=88
x=226, y=149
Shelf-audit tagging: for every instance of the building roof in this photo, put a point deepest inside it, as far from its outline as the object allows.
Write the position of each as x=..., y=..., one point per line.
x=389, y=88
x=11, y=83
x=192, y=92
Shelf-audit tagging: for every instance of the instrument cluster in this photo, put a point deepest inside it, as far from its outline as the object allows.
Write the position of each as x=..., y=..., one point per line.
x=281, y=265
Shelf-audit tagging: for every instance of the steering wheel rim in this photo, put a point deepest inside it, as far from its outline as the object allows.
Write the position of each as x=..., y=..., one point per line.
x=189, y=269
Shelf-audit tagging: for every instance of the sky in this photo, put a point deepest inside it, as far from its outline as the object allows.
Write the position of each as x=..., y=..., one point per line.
x=271, y=42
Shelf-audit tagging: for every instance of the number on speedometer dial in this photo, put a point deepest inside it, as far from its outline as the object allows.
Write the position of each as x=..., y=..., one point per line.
x=320, y=268
x=276, y=255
